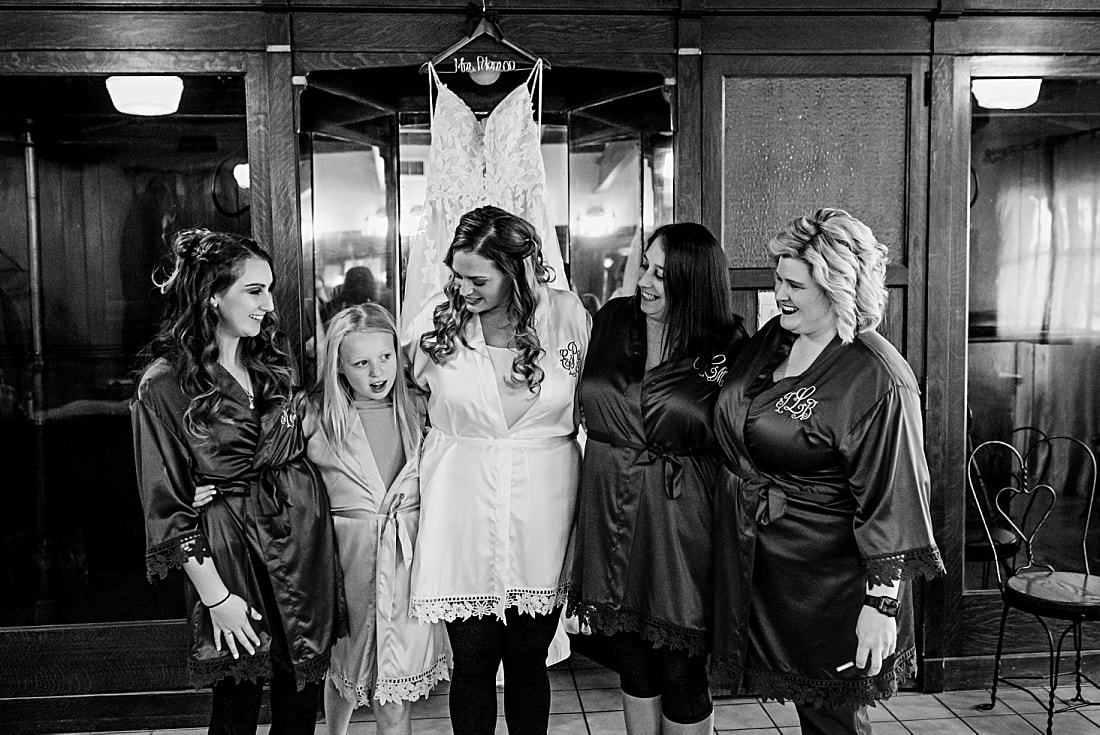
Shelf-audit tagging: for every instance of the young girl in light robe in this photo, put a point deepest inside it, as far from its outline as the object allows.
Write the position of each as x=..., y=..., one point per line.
x=364, y=431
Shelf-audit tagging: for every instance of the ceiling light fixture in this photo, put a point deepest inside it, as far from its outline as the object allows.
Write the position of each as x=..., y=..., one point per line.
x=1006, y=94
x=145, y=95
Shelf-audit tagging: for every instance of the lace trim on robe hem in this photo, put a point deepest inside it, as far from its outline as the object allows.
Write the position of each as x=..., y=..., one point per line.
x=819, y=693
x=405, y=689
x=904, y=565
x=210, y=671
x=172, y=554
x=526, y=601
x=607, y=620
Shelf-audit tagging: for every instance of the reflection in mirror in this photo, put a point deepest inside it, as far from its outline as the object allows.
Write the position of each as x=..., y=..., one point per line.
x=107, y=191
x=1034, y=298
x=620, y=190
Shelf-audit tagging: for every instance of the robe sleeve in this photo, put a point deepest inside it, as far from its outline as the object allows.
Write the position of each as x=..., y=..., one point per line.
x=888, y=475
x=173, y=532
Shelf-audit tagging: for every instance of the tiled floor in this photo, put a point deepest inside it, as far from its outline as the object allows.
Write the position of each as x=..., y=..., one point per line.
x=585, y=701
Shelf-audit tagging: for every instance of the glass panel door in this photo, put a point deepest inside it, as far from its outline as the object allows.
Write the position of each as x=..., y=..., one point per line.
x=1033, y=353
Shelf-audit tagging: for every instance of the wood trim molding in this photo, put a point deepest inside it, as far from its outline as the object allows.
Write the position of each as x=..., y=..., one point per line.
x=797, y=34
x=117, y=30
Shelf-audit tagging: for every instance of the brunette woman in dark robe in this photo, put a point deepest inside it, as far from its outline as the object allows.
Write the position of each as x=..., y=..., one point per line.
x=825, y=516
x=642, y=573
x=213, y=408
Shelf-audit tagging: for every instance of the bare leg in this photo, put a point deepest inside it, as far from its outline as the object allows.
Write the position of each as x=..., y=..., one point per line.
x=393, y=718
x=337, y=710
x=642, y=715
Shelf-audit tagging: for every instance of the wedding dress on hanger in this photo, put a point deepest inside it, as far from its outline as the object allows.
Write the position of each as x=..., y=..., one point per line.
x=473, y=163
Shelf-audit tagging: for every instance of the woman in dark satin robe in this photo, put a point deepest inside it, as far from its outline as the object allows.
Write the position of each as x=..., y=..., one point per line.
x=825, y=516
x=642, y=572
x=213, y=408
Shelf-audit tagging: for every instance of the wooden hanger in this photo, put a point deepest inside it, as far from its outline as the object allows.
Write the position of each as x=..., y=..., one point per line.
x=486, y=27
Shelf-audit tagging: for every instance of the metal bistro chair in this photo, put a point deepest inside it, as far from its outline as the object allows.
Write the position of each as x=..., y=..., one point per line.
x=1038, y=588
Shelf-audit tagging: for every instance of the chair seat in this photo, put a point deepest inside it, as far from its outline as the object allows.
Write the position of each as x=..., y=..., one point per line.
x=1064, y=595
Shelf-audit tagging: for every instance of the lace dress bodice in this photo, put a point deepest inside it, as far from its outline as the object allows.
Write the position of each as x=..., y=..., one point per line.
x=472, y=163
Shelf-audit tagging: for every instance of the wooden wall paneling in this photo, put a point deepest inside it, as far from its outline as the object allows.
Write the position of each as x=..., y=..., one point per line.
x=119, y=62
x=976, y=672
x=110, y=712
x=1029, y=6
x=92, y=659
x=687, y=143
x=879, y=7
x=1030, y=65
x=746, y=304
x=760, y=171
x=916, y=233
x=286, y=227
x=945, y=382
x=107, y=327
x=259, y=163
x=100, y=29
x=810, y=34
x=995, y=34
x=74, y=295
x=309, y=61
x=545, y=35
x=603, y=6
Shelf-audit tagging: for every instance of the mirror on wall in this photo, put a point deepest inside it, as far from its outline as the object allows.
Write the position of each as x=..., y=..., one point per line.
x=1033, y=352
x=365, y=135
x=108, y=190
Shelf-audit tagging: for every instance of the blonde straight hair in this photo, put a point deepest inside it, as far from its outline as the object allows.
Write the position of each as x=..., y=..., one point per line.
x=332, y=393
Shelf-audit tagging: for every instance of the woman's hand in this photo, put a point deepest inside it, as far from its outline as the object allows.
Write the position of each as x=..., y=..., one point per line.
x=203, y=495
x=877, y=637
x=230, y=620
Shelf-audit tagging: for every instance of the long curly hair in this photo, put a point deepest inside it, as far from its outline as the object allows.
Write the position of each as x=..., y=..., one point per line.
x=332, y=394
x=845, y=260
x=700, y=314
x=206, y=264
x=513, y=245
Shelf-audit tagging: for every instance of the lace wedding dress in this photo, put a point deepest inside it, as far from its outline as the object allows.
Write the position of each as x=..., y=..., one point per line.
x=473, y=163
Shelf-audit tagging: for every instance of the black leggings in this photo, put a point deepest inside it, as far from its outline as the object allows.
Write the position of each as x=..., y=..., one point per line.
x=480, y=645
x=236, y=709
x=678, y=678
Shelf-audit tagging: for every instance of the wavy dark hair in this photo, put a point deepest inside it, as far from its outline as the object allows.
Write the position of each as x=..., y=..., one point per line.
x=699, y=315
x=206, y=264
x=513, y=245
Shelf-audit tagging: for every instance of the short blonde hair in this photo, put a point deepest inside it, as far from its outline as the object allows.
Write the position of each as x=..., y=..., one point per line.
x=845, y=260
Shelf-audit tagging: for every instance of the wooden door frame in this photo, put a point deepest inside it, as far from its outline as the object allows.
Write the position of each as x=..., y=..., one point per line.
x=64, y=677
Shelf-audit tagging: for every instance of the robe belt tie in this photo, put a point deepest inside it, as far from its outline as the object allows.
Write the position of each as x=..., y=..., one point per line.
x=273, y=502
x=394, y=533
x=771, y=495
x=648, y=454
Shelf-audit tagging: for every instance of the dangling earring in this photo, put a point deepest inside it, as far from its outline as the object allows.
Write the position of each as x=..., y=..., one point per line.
x=214, y=303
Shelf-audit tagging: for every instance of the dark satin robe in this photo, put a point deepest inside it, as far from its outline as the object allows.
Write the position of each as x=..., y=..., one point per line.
x=642, y=551
x=828, y=489
x=268, y=530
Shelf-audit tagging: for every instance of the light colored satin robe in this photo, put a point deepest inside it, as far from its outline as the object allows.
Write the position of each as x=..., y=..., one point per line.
x=498, y=501
x=389, y=655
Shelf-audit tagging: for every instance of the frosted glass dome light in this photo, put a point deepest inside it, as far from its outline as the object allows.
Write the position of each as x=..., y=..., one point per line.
x=1006, y=94
x=145, y=95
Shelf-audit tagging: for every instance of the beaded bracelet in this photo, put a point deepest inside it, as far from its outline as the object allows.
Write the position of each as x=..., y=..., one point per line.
x=210, y=607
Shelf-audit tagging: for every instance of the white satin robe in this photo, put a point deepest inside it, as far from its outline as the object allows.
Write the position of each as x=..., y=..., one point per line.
x=389, y=655
x=498, y=502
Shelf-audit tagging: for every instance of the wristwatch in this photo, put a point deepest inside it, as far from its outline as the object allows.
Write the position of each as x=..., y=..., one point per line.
x=888, y=606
